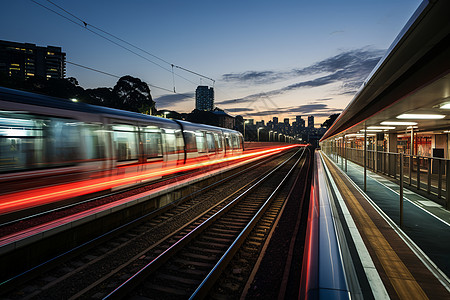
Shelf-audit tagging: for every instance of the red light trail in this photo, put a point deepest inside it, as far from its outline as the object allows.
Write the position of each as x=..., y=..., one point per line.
x=25, y=199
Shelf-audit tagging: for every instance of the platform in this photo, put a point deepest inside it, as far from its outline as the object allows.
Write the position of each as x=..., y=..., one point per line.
x=411, y=262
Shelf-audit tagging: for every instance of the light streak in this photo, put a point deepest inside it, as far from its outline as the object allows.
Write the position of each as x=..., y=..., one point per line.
x=40, y=196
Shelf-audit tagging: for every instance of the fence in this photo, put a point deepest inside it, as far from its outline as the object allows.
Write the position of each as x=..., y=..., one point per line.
x=428, y=175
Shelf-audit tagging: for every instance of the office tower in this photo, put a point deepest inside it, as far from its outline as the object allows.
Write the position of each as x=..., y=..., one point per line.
x=25, y=60
x=311, y=121
x=300, y=121
x=204, y=98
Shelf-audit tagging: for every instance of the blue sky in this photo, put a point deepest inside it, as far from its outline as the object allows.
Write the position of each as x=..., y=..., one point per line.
x=268, y=58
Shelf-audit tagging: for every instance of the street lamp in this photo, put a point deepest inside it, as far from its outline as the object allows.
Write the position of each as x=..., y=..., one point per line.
x=258, y=132
x=165, y=114
x=270, y=133
x=245, y=122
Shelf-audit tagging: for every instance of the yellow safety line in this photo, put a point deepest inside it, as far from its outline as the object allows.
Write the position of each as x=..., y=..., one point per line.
x=401, y=279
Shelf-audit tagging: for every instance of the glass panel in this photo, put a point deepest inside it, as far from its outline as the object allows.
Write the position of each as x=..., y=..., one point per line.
x=210, y=141
x=201, y=145
x=95, y=142
x=170, y=140
x=191, y=144
x=218, y=141
x=125, y=141
x=30, y=141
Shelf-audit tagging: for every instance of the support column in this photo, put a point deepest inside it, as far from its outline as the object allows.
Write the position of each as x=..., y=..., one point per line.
x=401, y=190
x=375, y=153
x=392, y=147
x=365, y=158
x=345, y=152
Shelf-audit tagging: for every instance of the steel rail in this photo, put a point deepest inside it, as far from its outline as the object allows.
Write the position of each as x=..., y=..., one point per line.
x=124, y=289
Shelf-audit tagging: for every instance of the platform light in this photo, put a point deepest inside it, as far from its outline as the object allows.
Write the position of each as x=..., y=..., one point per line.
x=445, y=106
x=371, y=130
x=398, y=123
x=381, y=127
x=421, y=116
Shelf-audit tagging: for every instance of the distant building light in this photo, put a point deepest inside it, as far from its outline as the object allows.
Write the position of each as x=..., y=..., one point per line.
x=74, y=100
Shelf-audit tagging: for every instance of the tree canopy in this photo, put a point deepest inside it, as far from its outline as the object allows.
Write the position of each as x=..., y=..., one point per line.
x=129, y=93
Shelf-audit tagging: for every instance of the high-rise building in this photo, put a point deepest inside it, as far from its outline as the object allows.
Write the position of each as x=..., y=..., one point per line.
x=311, y=121
x=204, y=98
x=275, y=120
x=24, y=60
x=300, y=121
x=286, y=121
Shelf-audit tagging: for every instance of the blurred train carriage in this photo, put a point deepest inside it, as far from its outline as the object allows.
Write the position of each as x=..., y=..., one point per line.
x=42, y=136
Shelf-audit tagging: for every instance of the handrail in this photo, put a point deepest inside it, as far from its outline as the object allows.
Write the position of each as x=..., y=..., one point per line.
x=323, y=273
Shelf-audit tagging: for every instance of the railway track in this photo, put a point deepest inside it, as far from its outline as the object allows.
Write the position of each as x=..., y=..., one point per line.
x=90, y=272
x=190, y=267
x=19, y=220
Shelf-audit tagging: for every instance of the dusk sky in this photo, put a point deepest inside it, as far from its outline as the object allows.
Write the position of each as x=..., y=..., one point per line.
x=268, y=58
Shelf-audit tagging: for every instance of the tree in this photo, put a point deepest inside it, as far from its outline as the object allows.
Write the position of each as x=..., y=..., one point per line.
x=328, y=122
x=129, y=93
x=133, y=94
x=202, y=117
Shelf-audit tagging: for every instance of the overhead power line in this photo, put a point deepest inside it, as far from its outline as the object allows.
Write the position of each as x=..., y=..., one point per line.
x=112, y=75
x=82, y=23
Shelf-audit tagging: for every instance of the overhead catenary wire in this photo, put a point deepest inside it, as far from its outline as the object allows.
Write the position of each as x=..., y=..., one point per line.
x=86, y=26
x=113, y=75
x=117, y=76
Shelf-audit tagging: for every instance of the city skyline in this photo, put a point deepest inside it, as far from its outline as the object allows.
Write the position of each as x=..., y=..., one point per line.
x=287, y=58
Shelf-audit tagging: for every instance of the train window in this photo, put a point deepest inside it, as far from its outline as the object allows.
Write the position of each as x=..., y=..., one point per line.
x=235, y=142
x=95, y=142
x=20, y=142
x=61, y=138
x=210, y=142
x=30, y=142
x=227, y=142
x=125, y=141
x=189, y=138
x=218, y=139
x=152, y=142
x=170, y=141
x=201, y=145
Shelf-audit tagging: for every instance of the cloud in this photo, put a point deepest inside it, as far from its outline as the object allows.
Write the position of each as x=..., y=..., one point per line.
x=240, y=109
x=253, y=77
x=349, y=67
x=337, y=32
x=170, y=99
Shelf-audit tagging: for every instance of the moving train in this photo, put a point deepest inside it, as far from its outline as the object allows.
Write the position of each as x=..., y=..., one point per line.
x=42, y=136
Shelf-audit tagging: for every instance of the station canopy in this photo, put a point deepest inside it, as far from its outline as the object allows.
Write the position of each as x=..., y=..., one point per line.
x=410, y=86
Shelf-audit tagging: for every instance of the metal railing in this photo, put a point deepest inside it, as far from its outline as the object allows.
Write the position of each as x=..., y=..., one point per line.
x=427, y=175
